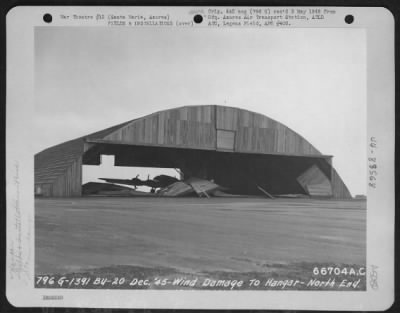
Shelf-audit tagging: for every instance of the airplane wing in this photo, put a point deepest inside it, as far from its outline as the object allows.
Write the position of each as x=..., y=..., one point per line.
x=130, y=182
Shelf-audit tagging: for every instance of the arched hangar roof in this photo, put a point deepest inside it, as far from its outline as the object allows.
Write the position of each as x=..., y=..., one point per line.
x=203, y=127
x=206, y=127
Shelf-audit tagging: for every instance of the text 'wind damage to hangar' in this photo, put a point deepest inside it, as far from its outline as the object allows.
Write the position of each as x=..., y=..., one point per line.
x=243, y=152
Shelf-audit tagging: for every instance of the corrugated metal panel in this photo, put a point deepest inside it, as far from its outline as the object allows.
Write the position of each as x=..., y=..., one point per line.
x=182, y=127
x=225, y=139
x=227, y=118
x=70, y=182
x=58, y=170
x=260, y=134
x=340, y=190
x=315, y=182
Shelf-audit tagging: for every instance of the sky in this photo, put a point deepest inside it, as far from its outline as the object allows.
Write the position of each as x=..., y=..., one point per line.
x=312, y=80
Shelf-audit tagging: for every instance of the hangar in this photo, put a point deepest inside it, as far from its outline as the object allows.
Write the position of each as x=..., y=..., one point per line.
x=238, y=149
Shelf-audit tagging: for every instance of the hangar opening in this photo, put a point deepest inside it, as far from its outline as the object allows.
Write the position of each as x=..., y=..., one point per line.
x=240, y=152
x=108, y=179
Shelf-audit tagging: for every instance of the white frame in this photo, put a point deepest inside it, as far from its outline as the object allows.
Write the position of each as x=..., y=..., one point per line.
x=379, y=27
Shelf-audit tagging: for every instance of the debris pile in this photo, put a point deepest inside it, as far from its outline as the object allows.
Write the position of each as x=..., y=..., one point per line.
x=193, y=185
x=178, y=189
x=167, y=186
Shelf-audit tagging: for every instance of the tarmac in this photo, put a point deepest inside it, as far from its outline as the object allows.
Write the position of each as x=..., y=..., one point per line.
x=196, y=234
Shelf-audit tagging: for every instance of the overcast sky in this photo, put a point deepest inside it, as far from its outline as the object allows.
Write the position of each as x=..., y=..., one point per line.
x=311, y=80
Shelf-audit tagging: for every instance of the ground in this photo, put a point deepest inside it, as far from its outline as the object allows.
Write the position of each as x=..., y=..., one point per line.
x=198, y=235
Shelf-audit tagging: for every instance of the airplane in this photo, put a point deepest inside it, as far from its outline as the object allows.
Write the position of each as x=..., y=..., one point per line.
x=160, y=181
x=131, y=182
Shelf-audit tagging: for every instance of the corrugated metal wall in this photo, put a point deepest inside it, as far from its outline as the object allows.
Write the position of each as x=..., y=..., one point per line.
x=195, y=127
x=58, y=170
x=187, y=127
x=340, y=190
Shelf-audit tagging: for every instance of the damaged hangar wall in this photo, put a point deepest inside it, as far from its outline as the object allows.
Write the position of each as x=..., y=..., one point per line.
x=58, y=170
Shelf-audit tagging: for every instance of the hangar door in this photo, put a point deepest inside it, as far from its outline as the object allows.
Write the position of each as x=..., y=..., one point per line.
x=315, y=182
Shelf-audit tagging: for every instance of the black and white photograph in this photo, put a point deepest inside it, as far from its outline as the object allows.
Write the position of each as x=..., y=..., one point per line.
x=220, y=152
x=185, y=161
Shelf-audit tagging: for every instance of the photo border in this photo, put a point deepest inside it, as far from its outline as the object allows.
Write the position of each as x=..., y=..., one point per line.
x=377, y=300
